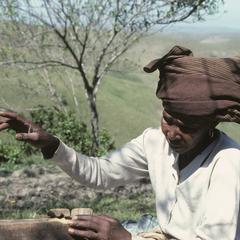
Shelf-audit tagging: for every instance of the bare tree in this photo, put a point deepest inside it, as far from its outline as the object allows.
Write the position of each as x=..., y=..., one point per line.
x=87, y=36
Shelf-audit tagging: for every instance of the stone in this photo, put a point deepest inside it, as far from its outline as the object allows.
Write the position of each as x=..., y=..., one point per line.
x=59, y=213
x=81, y=211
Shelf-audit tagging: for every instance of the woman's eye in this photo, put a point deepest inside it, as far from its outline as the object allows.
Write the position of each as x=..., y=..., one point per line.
x=164, y=120
x=188, y=129
x=167, y=120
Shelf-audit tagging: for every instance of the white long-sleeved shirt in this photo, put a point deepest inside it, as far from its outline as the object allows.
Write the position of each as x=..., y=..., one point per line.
x=199, y=202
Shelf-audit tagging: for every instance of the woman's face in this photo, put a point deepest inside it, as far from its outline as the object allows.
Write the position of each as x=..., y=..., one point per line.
x=184, y=135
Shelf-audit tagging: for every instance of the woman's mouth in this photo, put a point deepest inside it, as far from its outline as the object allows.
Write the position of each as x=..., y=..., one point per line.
x=177, y=146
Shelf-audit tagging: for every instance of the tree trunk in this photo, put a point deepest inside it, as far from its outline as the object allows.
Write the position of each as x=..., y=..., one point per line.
x=94, y=121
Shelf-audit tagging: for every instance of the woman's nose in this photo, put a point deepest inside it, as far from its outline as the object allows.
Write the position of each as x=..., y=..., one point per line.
x=173, y=133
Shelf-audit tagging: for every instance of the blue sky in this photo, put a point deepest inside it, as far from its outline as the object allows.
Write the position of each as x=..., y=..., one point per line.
x=228, y=17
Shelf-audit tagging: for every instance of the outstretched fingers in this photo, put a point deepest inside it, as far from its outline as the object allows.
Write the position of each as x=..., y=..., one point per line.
x=30, y=132
x=3, y=119
x=11, y=115
x=3, y=126
x=15, y=121
x=28, y=136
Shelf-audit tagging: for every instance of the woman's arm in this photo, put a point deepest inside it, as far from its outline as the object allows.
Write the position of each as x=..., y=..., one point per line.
x=121, y=167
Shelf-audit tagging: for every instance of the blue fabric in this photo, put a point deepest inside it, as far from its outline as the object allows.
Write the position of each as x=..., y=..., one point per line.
x=144, y=224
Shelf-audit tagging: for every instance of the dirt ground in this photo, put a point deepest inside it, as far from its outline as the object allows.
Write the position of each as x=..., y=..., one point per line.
x=38, y=187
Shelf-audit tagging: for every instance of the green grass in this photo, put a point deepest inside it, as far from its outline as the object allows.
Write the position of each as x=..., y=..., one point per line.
x=20, y=214
x=10, y=167
x=127, y=107
x=122, y=208
x=128, y=207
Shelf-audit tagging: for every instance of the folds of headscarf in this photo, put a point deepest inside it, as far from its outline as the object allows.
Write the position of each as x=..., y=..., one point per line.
x=196, y=86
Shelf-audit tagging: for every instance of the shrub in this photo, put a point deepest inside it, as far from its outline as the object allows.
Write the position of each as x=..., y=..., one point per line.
x=66, y=127
x=10, y=153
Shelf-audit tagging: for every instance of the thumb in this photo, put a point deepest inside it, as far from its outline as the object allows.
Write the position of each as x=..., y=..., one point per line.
x=27, y=136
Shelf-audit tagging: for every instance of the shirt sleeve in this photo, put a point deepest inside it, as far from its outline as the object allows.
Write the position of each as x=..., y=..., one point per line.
x=120, y=167
x=221, y=211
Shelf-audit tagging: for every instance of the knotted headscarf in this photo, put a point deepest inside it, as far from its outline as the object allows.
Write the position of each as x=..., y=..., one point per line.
x=196, y=86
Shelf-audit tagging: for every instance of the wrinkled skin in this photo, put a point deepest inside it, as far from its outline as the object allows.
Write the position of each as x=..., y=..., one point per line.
x=91, y=227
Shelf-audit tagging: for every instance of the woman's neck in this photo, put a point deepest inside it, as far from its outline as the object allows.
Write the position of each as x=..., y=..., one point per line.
x=186, y=158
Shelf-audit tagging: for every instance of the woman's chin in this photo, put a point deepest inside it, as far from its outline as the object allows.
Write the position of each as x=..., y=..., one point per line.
x=178, y=148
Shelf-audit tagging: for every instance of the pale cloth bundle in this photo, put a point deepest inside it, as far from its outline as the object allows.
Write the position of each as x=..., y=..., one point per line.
x=153, y=234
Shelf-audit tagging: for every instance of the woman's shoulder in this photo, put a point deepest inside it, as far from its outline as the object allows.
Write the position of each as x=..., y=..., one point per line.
x=153, y=138
x=225, y=159
x=227, y=151
x=227, y=142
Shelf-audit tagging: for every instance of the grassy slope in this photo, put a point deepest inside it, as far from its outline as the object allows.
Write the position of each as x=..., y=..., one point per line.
x=127, y=107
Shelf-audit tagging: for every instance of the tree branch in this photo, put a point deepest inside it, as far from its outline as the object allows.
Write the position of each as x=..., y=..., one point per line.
x=182, y=18
x=41, y=64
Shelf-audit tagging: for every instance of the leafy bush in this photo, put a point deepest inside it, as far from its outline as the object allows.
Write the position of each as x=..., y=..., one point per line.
x=66, y=127
x=10, y=153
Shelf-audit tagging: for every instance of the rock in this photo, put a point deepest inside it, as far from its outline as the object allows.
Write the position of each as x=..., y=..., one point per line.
x=41, y=171
x=81, y=211
x=59, y=213
x=30, y=173
x=4, y=173
x=20, y=204
x=18, y=173
x=22, y=193
x=2, y=198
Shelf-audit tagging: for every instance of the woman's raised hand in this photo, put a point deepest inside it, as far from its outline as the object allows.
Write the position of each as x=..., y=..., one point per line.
x=30, y=132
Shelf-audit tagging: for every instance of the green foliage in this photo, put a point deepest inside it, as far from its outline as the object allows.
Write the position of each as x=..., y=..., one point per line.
x=107, y=204
x=74, y=133
x=23, y=161
x=10, y=153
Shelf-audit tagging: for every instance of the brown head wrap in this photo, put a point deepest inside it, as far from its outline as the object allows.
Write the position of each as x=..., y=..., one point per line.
x=195, y=86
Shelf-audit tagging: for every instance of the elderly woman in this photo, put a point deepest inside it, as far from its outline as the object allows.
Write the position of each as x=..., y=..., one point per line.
x=193, y=167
